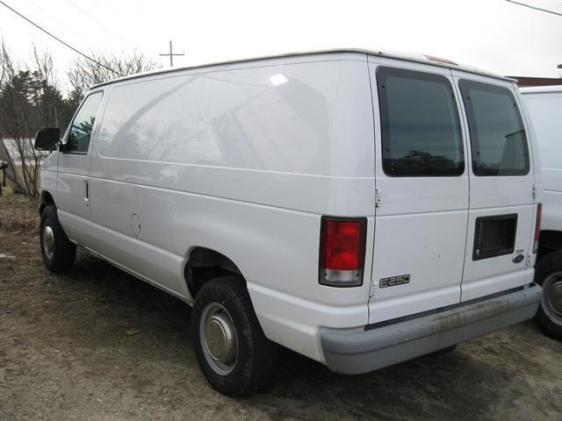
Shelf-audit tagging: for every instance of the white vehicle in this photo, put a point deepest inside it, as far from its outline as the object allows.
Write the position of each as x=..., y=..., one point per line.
x=359, y=208
x=544, y=105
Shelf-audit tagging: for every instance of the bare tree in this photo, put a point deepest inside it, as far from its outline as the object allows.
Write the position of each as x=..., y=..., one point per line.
x=28, y=100
x=85, y=73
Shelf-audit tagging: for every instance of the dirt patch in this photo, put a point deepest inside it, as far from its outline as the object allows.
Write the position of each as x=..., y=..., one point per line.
x=17, y=213
x=98, y=344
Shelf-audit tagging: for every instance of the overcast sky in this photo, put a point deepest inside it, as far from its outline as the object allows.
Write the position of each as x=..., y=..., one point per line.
x=492, y=34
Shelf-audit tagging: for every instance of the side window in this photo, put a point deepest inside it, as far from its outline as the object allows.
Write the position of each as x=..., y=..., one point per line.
x=421, y=134
x=497, y=134
x=81, y=127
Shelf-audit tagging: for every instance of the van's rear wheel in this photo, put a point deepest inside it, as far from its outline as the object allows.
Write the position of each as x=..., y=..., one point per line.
x=233, y=353
x=549, y=275
x=57, y=250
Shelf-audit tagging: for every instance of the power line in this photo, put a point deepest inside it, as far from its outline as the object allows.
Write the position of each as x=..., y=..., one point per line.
x=60, y=40
x=62, y=25
x=96, y=22
x=534, y=7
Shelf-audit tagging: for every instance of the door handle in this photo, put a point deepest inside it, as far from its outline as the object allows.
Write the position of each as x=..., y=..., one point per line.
x=86, y=192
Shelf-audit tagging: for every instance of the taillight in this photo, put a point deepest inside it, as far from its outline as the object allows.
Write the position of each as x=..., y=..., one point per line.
x=537, y=228
x=342, y=251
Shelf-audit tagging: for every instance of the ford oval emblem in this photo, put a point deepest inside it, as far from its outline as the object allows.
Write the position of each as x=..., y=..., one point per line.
x=518, y=259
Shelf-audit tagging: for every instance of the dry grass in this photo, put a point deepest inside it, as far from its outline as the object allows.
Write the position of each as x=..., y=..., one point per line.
x=17, y=213
x=11, y=187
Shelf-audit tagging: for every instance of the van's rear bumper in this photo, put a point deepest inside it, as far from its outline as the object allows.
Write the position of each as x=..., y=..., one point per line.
x=361, y=351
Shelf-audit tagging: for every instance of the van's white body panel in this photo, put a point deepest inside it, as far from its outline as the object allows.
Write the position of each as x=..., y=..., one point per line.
x=245, y=158
x=544, y=105
x=414, y=211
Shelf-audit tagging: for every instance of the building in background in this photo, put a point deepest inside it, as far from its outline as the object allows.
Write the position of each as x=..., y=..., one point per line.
x=540, y=81
x=537, y=81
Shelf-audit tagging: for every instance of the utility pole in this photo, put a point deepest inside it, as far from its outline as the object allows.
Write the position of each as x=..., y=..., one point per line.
x=171, y=54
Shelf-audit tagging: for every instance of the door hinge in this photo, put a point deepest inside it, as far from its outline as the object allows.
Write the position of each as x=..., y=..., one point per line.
x=534, y=193
x=378, y=199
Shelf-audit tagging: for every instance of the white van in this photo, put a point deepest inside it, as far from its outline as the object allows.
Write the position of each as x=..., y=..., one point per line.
x=544, y=105
x=360, y=208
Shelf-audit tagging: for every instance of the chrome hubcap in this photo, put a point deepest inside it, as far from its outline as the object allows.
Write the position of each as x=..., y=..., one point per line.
x=48, y=241
x=554, y=292
x=218, y=338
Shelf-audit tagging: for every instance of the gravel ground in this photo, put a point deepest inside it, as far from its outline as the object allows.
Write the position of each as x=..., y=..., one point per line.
x=97, y=344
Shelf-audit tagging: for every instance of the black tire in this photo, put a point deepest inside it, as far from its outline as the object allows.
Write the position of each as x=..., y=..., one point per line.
x=548, y=272
x=63, y=252
x=255, y=356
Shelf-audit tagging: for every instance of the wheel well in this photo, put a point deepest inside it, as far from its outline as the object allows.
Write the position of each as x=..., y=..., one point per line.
x=46, y=200
x=550, y=240
x=205, y=264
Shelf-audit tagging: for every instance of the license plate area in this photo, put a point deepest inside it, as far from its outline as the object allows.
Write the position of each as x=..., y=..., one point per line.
x=494, y=236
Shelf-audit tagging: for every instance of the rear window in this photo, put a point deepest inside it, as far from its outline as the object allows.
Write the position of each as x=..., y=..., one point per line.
x=421, y=133
x=497, y=134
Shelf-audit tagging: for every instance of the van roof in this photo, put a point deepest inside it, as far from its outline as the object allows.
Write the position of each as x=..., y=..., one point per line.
x=541, y=89
x=417, y=58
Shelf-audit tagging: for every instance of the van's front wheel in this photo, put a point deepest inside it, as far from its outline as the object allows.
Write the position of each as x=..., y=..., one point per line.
x=233, y=353
x=549, y=276
x=57, y=250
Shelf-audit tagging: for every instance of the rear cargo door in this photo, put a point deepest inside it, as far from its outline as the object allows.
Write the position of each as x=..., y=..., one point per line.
x=422, y=185
x=502, y=208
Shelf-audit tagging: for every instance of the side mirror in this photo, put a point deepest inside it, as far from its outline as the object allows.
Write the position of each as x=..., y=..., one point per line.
x=47, y=139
